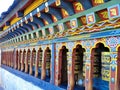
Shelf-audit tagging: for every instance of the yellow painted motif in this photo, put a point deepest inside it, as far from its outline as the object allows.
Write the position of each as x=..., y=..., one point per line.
x=73, y=23
x=113, y=12
x=46, y=9
x=14, y=20
x=83, y=19
x=38, y=14
x=98, y=1
x=34, y=5
x=105, y=14
x=106, y=66
x=5, y=27
x=57, y=2
x=65, y=13
x=90, y=18
x=55, y=19
x=78, y=6
x=46, y=22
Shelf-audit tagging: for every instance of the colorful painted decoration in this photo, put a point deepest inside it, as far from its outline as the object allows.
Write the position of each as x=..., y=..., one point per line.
x=45, y=22
x=114, y=11
x=97, y=2
x=57, y=2
x=54, y=18
x=74, y=23
x=31, y=17
x=17, y=25
x=90, y=18
x=46, y=7
x=38, y=12
x=106, y=66
x=26, y=20
x=78, y=7
x=51, y=30
x=64, y=13
x=83, y=20
x=43, y=32
x=21, y=22
x=112, y=42
x=61, y=27
x=103, y=14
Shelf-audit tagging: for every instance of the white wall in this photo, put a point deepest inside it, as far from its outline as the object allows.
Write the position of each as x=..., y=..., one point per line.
x=12, y=82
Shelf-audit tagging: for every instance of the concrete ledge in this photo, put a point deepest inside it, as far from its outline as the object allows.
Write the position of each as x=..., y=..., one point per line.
x=31, y=79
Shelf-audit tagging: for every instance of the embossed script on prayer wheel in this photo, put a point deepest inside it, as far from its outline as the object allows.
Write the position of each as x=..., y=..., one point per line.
x=106, y=66
x=34, y=58
x=48, y=58
x=40, y=59
x=97, y=64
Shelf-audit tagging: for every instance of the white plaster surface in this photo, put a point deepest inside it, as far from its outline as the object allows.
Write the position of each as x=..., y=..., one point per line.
x=11, y=82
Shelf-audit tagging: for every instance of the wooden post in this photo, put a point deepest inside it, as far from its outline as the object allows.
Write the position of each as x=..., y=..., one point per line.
x=37, y=63
x=114, y=73
x=19, y=58
x=43, y=73
x=31, y=63
x=70, y=68
x=27, y=60
x=52, y=64
x=15, y=59
x=88, y=70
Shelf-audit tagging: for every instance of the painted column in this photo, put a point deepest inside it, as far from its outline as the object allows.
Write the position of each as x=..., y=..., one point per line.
x=22, y=60
x=5, y=57
x=70, y=64
x=114, y=80
x=19, y=58
x=9, y=58
x=70, y=70
x=88, y=70
x=43, y=72
x=113, y=42
x=29, y=55
x=52, y=65
x=31, y=62
x=57, y=74
x=12, y=61
x=36, y=63
x=15, y=59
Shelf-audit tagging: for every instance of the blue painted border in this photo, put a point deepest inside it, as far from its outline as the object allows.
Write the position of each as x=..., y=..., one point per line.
x=118, y=5
x=81, y=36
x=93, y=14
x=52, y=63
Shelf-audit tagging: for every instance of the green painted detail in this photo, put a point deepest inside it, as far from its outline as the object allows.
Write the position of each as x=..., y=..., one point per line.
x=97, y=17
x=94, y=9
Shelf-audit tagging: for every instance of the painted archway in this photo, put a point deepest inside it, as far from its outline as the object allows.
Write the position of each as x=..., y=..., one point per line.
x=99, y=56
x=62, y=67
x=39, y=63
x=46, y=65
x=32, y=62
x=19, y=59
x=16, y=59
x=27, y=61
x=23, y=60
x=77, y=69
